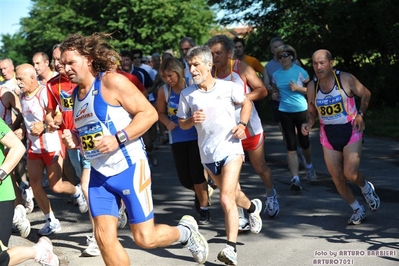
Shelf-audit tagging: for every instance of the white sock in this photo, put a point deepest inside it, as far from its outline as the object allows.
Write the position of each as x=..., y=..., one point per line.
x=50, y=216
x=355, y=205
x=185, y=233
x=39, y=252
x=366, y=187
x=309, y=166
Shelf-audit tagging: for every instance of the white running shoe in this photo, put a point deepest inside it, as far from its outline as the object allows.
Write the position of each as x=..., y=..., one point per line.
x=271, y=206
x=92, y=250
x=357, y=216
x=27, y=197
x=45, y=255
x=81, y=200
x=243, y=224
x=122, y=217
x=20, y=221
x=196, y=244
x=255, y=221
x=50, y=227
x=311, y=175
x=228, y=256
x=372, y=198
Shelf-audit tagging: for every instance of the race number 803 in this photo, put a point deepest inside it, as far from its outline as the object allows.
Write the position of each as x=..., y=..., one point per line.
x=331, y=109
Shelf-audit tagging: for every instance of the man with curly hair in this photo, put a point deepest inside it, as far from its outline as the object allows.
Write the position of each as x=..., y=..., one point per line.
x=110, y=115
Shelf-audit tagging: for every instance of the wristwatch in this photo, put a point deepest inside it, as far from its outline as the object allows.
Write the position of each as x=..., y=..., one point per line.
x=3, y=175
x=243, y=123
x=361, y=113
x=121, y=137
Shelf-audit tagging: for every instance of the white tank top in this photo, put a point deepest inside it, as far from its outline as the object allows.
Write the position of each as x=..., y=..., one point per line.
x=254, y=125
x=94, y=117
x=334, y=107
x=34, y=110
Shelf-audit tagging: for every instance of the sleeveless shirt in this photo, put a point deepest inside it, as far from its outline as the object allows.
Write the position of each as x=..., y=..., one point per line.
x=334, y=107
x=94, y=117
x=254, y=125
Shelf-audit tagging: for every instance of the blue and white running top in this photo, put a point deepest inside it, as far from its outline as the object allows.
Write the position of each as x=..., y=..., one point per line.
x=94, y=117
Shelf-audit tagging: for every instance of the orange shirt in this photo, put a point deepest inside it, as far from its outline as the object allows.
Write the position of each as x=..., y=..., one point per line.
x=254, y=63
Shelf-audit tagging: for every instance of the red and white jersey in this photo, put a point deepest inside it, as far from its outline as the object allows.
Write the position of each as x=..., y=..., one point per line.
x=34, y=110
x=254, y=125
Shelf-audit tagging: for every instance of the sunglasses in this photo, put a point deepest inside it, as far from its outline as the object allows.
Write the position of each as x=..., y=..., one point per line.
x=283, y=56
x=136, y=57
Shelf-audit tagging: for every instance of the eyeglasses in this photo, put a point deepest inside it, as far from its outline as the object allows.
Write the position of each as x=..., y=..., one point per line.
x=283, y=55
x=137, y=57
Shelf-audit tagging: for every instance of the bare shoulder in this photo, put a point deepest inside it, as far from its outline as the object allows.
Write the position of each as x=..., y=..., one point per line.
x=245, y=68
x=350, y=82
x=113, y=80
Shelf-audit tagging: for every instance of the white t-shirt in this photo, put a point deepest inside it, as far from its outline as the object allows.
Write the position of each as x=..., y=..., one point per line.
x=215, y=137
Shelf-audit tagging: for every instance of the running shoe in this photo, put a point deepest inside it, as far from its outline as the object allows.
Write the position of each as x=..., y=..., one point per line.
x=81, y=201
x=311, y=175
x=205, y=217
x=45, y=255
x=122, y=217
x=271, y=206
x=50, y=227
x=296, y=184
x=357, y=216
x=20, y=222
x=228, y=256
x=196, y=244
x=372, y=198
x=243, y=224
x=92, y=250
x=27, y=197
x=255, y=221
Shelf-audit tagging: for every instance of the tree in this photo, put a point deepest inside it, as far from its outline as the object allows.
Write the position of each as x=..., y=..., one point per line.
x=363, y=35
x=150, y=25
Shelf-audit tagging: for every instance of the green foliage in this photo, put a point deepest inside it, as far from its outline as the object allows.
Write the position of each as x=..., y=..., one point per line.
x=151, y=25
x=362, y=35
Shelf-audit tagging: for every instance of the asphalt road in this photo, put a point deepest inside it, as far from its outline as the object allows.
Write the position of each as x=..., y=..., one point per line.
x=311, y=228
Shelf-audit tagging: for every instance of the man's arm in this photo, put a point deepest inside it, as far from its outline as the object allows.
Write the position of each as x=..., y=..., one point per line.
x=245, y=114
x=121, y=91
x=253, y=81
x=11, y=102
x=15, y=153
x=358, y=89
